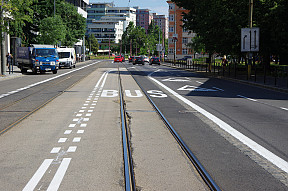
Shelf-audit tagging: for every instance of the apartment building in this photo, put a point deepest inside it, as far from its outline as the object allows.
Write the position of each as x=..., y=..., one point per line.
x=162, y=22
x=143, y=18
x=178, y=37
x=107, y=23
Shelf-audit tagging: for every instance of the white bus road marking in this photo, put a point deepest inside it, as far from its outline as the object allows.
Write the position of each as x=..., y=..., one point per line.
x=30, y=186
x=56, y=181
x=274, y=159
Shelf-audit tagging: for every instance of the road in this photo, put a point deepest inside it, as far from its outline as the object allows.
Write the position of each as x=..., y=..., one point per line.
x=238, y=132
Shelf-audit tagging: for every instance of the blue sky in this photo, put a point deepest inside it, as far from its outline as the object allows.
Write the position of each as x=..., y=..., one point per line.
x=156, y=6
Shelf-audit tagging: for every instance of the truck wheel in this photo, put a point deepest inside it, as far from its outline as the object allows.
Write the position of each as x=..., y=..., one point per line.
x=70, y=66
x=23, y=70
x=74, y=66
x=54, y=71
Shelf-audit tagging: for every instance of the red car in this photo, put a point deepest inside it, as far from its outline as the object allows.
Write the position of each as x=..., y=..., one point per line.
x=118, y=59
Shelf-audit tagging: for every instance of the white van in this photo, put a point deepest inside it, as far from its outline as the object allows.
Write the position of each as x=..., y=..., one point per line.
x=67, y=57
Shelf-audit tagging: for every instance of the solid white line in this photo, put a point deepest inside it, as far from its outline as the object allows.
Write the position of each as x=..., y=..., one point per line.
x=284, y=108
x=247, y=98
x=274, y=159
x=58, y=177
x=30, y=186
x=47, y=80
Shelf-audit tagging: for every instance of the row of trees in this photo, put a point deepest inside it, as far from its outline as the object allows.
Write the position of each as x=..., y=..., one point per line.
x=34, y=21
x=140, y=42
x=218, y=25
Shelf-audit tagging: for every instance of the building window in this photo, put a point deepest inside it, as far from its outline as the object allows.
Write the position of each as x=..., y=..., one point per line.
x=171, y=51
x=170, y=41
x=171, y=17
x=185, y=29
x=184, y=40
x=171, y=6
x=184, y=51
x=171, y=29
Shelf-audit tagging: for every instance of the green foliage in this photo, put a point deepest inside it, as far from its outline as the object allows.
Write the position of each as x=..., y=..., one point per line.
x=142, y=43
x=93, y=43
x=51, y=30
x=219, y=23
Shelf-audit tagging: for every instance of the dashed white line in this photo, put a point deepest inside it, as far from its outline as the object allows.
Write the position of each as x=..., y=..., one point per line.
x=76, y=119
x=85, y=119
x=80, y=131
x=83, y=125
x=78, y=115
x=72, y=125
x=67, y=132
x=55, y=150
x=88, y=115
x=81, y=111
x=76, y=139
x=247, y=98
x=62, y=140
x=72, y=149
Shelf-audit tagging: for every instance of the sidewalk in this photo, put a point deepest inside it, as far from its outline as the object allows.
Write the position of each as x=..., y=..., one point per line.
x=14, y=73
x=277, y=84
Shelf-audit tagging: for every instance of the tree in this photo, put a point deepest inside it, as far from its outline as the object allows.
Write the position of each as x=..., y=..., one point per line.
x=51, y=30
x=93, y=43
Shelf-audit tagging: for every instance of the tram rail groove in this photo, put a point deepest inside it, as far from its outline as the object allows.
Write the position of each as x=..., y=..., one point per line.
x=196, y=163
x=127, y=153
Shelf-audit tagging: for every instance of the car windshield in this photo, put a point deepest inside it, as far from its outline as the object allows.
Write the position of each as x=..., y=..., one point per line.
x=46, y=52
x=64, y=54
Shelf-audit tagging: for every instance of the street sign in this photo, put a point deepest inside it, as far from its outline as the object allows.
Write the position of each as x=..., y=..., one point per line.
x=159, y=47
x=250, y=39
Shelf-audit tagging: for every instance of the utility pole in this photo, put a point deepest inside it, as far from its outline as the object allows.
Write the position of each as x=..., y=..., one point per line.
x=250, y=23
x=175, y=33
x=2, y=39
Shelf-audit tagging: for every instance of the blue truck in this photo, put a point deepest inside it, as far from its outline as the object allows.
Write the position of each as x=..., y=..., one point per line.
x=38, y=58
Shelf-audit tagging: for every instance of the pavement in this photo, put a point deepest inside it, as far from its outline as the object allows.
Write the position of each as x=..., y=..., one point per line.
x=13, y=73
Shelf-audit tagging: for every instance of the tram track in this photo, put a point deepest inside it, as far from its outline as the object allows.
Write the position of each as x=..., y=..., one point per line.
x=18, y=106
x=193, y=159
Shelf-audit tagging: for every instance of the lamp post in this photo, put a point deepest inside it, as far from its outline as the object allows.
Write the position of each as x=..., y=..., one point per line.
x=250, y=23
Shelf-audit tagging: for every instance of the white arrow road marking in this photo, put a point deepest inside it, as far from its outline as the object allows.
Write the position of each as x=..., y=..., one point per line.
x=274, y=159
x=196, y=89
x=176, y=80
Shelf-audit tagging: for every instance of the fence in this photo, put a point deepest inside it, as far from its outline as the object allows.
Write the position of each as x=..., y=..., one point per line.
x=274, y=75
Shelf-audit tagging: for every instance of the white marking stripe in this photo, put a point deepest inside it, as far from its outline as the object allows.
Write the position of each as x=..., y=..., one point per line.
x=47, y=80
x=83, y=125
x=71, y=149
x=274, y=159
x=76, y=139
x=80, y=131
x=55, y=150
x=72, y=125
x=284, y=108
x=56, y=181
x=247, y=98
x=88, y=115
x=30, y=186
x=67, y=132
x=62, y=140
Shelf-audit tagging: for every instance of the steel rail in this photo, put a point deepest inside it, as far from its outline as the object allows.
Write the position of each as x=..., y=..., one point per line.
x=127, y=154
x=199, y=167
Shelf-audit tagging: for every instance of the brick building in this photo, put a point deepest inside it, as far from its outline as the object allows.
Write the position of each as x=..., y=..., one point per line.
x=178, y=49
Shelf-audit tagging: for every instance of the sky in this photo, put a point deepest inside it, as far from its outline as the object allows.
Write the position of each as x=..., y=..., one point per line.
x=156, y=6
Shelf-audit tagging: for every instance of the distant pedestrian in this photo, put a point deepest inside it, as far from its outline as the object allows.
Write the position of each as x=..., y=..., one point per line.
x=9, y=59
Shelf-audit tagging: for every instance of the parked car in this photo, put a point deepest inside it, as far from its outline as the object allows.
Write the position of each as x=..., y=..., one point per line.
x=118, y=59
x=146, y=59
x=131, y=58
x=155, y=60
x=138, y=60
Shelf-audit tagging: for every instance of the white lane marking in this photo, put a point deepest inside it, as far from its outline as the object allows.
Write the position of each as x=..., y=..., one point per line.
x=81, y=111
x=84, y=107
x=93, y=104
x=86, y=104
x=83, y=125
x=72, y=125
x=80, y=131
x=67, y=132
x=85, y=119
x=55, y=150
x=76, y=139
x=87, y=101
x=47, y=80
x=284, y=108
x=78, y=115
x=56, y=181
x=30, y=186
x=196, y=89
x=218, y=89
x=247, y=98
x=88, y=115
x=62, y=140
x=92, y=107
x=274, y=159
x=72, y=149
x=90, y=111
x=76, y=119
x=199, y=82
